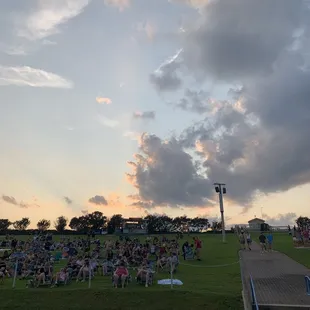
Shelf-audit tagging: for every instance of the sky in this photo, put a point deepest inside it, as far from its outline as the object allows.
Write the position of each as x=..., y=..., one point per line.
x=139, y=106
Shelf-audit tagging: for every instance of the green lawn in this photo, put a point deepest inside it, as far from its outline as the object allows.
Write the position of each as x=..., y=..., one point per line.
x=205, y=285
x=282, y=242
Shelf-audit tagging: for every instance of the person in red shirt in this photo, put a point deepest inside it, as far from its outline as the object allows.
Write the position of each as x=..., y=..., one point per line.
x=121, y=273
x=198, y=246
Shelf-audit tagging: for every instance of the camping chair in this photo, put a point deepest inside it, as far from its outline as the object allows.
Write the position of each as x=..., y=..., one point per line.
x=150, y=272
x=119, y=284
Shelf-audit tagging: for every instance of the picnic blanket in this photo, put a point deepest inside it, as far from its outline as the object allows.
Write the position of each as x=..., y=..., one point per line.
x=168, y=282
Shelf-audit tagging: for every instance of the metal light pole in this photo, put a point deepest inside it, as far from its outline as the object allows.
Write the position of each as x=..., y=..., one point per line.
x=221, y=189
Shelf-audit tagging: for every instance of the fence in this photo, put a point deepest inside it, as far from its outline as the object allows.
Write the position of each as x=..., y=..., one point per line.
x=307, y=284
x=254, y=300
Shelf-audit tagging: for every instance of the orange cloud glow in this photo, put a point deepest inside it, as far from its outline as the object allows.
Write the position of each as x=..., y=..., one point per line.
x=103, y=100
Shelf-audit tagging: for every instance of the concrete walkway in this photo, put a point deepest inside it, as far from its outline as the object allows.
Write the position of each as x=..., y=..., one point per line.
x=278, y=279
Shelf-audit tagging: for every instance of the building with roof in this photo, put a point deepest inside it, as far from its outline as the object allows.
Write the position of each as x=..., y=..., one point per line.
x=256, y=223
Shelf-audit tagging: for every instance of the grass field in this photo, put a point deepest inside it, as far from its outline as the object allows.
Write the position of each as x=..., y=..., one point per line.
x=206, y=284
x=284, y=243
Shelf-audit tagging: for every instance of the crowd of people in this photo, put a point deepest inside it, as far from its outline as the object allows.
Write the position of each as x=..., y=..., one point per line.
x=42, y=261
x=265, y=240
x=301, y=236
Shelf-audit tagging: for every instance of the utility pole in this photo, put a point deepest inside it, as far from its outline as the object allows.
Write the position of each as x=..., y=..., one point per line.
x=221, y=189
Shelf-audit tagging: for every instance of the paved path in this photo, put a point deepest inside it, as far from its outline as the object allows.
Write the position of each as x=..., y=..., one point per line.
x=278, y=279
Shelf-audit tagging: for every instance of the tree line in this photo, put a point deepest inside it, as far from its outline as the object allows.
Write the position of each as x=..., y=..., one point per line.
x=98, y=221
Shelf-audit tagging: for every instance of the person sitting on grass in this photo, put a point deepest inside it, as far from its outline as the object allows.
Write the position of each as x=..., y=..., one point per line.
x=40, y=277
x=143, y=273
x=161, y=262
x=85, y=270
x=3, y=273
x=62, y=276
x=121, y=273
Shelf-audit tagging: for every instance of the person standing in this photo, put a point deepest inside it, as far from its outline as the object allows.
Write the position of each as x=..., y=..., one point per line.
x=242, y=240
x=249, y=240
x=262, y=241
x=198, y=246
x=270, y=241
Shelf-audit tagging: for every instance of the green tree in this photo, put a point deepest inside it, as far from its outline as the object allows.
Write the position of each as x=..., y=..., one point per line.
x=303, y=221
x=22, y=224
x=43, y=225
x=4, y=225
x=114, y=223
x=60, y=223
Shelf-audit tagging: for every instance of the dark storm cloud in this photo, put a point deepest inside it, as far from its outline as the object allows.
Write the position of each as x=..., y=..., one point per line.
x=165, y=175
x=235, y=40
x=98, y=200
x=265, y=148
x=242, y=39
x=257, y=141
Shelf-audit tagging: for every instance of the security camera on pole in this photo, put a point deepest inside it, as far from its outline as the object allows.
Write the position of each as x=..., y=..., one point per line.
x=221, y=189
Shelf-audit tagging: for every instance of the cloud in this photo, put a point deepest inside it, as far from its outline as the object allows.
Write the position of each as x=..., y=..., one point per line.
x=27, y=76
x=13, y=201
x=144, y=115
x=224, y=51
x=166, y=77
x=98, y=200
x=15, y=50
x=120, y=4
x=132, y=135
x=256, y=141
x=10, y=199
x=165, y=175
x=48, y=16
x=24, y=205
x=67, y=200
x=195, y=101
x=103, y=100
x=105, y=121
x=281, y=219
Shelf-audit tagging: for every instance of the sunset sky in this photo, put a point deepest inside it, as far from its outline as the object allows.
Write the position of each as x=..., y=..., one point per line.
x=139, y=106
